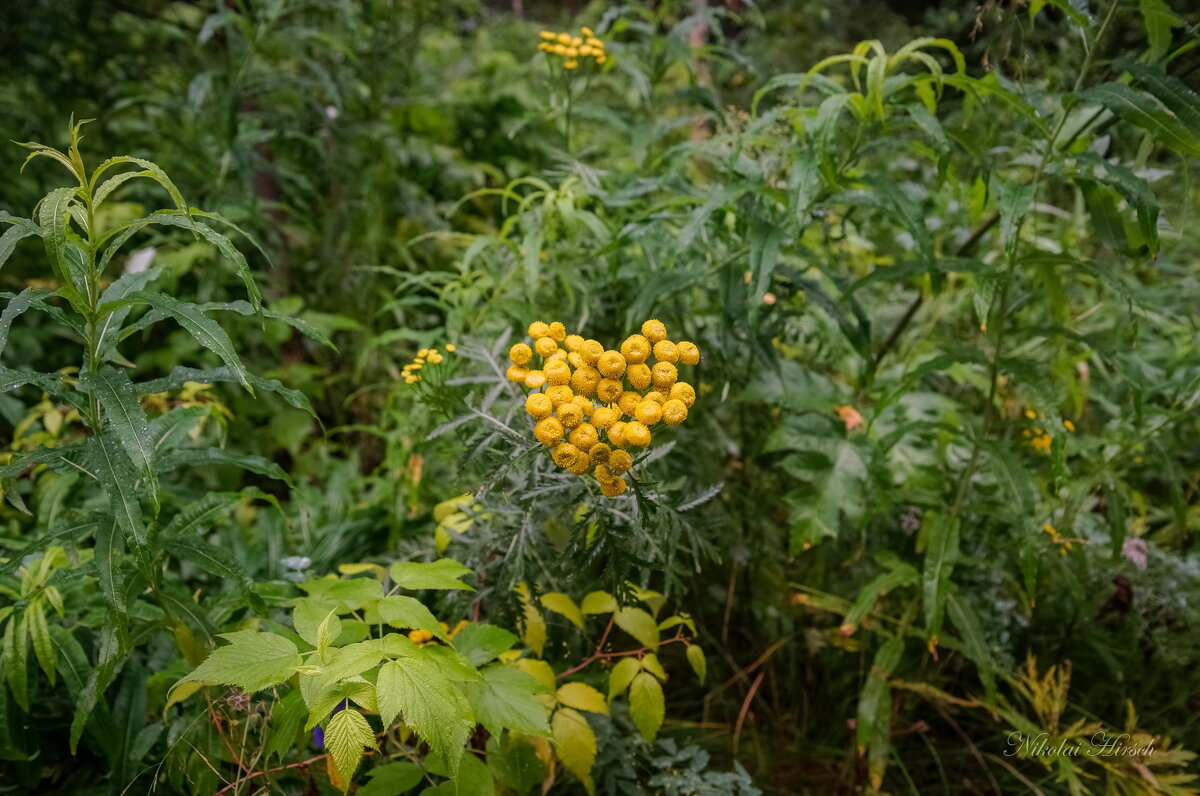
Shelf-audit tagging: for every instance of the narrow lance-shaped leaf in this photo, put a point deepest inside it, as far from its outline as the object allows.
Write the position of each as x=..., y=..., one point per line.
x=21, y=228
x=52, y=215
x=117, y=476
x=108, y=559
x=19, y=304
x=126, y=420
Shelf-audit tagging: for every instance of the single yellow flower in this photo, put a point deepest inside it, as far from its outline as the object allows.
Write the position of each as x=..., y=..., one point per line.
x=620, y=461
x=654, y=330
x=534, y=379
x=520, y=354
x=682, y=391
x=545, y=346
x=611, y=364
x=539, y=405
x=519, y=373
x=628, y=402
x=565, y=454
x=548, y=431
x=609, y=390
x=665, y=351
x=639, y=376
x=603, y=417
x=649, y=412
x=591, y=351
x=560, y=394
x=584, y=436
x=557, y=332
x=599, y=453
x=613, y=488
x=674, y=412
x=538, y=329
x=571, y=64
x=635, y=349
x=689, y=354
x=637, y=434
x=664, y=374
x=557, y=372
x=569, y=414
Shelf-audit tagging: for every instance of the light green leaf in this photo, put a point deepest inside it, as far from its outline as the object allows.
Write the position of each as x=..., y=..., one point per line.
x=251, y=661
x=695, y=656
x=52, y=216
x=651, y=663
x=647, y=706
x=287, y=716
x=346, y=736
x=622, y=675
x=39, y=634
x=445, y=573
x=639, y=624
x=582, y=696
x=327, y=632
x=16, y=668
x=407, y=612
x=126, y=419
x=414, y=689
x=356, y=689
x=940, y=557
x=506, y=698
x=392, y=779
x=576, y=744
x=598, y=602
x=481, y=642
x=563, y=604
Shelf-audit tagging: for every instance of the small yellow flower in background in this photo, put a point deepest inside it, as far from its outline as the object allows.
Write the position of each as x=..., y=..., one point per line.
x=411, y=373
x=1064, y=545
x=1041, y=440
x=1068, y=425
x=592, y=403
x=1029, y=413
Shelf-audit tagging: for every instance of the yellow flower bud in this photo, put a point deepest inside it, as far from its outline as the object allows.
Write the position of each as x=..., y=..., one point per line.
x=601, y=59
x=451, y=347
x=599, y=453
x=664, y=374
x=665, y=351
x=576, y=360
x=557, y=332
x=613, y=488
x=584, y=436
x=565, y=454
x=585, y=380
x=602, y=473
x=682, y=391
x=611, y=364
x=654, y=330
x=520, y=354
x=548, y=431
x=639, y=376
x=576, y=41
x=635, y=349
x=573, y=342
x=616, y=434
x=517, y=373
x=558, y=356
x=557, y=372
x=609, y=390
x=545, y=346
x=539, y=405
x=628, y=402
x=580, y=466
x=619, y=462
x=603, y=417
x=591, y=350
x=569, y=414
x=560, y=394
x=584, y=404
x=538, y=329
x=649, y=412
x=534, y=379
x=586, y=31
x=547, y=34
x=636, y=434
x=571, y=64
x=689, y=354
x=674, y=412
x=564, y=38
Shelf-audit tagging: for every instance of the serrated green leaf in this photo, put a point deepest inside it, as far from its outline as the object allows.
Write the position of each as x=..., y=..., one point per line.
x=327, y=632
x=117, y=476
x=506, y=698
x=356, y=689
x=407, y=612
x=639, y=624
x=582, y=696
x=126, y=420
x=251, y=661
x=52, y=217
x=445, y=573
x=287, y=716
x=647, y=706
x=346, y=736
x=699, y=664
x=652, y=664
x=481, y=643
x=575, y=743
x=414, y=689
x=392, y=779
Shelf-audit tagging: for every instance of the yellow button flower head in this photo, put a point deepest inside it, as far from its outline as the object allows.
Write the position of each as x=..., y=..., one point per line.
x=575, y=359
x=584, y=436
x=517, y=373
x=538, y=329
x=564, y=38
x=639, y=376
x=547, y=34
x=570, y=63
x=539, y=405
x=573, y=342
x=545, y=346
x=591, y=351
x=585, y=380
x=609, y=390
x=637, y=434
x=586, y=31
x=557, y=332
x=635, y=349
x=613, y=488
x=548, y=431
x=611, y=364
x=534, y=379
x=557, y=372
x=654, y=330
x=665, y=351
x=565, y=454
x=674, y=412
x=650, y=412
x=451, y=347
x=569, y=414
x=520, y=354
x=603, y=474
x=558, y=356
x=603, y=417
x=629, y=402
x=584, y=404
x=620, y=461
x=682, y=391
x=560, y=394
x=664, y=374
x=580, y=467
x=599, y=453
x=616, y=434
x=689, y=354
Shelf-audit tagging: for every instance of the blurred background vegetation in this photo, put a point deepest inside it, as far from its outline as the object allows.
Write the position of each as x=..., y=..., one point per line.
x=415, y=176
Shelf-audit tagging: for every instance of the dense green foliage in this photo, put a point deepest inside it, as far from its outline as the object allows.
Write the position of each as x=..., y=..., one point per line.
x=277, y=519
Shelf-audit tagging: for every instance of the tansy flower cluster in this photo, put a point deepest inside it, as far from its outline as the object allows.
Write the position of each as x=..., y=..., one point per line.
x=572, y=48
x=426, y=356
x=1064, y=545
x=591, y=404
x=1039, y=438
